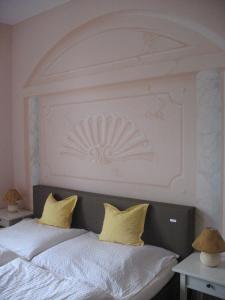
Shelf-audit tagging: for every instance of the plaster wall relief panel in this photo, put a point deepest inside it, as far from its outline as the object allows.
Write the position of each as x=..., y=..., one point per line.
x=124, y=136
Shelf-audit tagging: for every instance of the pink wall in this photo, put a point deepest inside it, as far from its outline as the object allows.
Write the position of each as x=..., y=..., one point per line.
x=39, y=41
x=5, y=110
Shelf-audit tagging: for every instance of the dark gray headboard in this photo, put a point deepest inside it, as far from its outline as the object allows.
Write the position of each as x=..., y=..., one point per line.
x=167, y=225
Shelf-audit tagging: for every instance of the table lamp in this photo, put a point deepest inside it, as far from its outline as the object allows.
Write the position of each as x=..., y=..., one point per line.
x=210, y=243
x=11, y=197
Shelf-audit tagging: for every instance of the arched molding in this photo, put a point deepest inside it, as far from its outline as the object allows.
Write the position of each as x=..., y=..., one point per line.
x=125, y=43
x=193, y=26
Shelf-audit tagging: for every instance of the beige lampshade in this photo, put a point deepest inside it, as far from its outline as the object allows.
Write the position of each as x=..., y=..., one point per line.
x=12, y=196
x=209, y=241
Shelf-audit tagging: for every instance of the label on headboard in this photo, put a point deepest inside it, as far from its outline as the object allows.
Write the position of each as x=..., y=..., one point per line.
x=173, y=221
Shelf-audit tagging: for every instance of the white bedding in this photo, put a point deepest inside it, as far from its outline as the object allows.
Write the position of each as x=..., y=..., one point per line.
x=6, y=255
x=119, y=270
x=28, y=238
x=21, y=280
x=154, y=286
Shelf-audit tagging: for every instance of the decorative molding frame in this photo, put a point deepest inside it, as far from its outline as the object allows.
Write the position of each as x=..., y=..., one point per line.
x=90, y=149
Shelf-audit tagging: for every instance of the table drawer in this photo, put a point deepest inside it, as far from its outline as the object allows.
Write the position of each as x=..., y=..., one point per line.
x=206, y=287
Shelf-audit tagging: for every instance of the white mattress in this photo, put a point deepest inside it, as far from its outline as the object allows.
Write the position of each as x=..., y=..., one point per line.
x=152, y=289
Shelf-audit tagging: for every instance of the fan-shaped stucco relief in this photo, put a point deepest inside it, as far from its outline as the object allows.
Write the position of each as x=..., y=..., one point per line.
x=104, y=139
x=116, y=41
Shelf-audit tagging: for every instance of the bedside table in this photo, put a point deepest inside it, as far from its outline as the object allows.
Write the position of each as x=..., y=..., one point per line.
x=194, y=275
x=9, y=218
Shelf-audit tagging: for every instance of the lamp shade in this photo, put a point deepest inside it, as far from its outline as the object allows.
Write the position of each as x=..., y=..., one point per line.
x=12, y=196
x=209, y=241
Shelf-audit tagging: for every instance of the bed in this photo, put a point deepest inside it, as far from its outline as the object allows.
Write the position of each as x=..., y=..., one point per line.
x=169, y=226
x=123, y=271
x=161, y=220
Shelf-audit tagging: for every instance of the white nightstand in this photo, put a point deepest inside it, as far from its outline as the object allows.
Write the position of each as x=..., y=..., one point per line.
x=8, y=219
x=194, y=275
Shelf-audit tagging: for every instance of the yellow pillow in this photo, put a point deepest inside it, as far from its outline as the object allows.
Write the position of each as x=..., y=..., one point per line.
x=124, y=227
x=58, y=213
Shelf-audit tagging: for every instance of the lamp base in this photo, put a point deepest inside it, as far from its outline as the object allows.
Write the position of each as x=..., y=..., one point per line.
x=210, y=259
x=12, y=208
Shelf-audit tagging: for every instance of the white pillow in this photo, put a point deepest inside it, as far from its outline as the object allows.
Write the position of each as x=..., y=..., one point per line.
x=28, y=238
x=121, y=270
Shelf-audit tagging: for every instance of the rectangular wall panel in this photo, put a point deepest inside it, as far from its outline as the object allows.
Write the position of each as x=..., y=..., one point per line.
x=136, y=136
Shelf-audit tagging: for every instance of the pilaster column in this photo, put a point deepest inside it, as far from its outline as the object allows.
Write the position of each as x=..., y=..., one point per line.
x=34, y=159
x=209, y=149
x=223, y=178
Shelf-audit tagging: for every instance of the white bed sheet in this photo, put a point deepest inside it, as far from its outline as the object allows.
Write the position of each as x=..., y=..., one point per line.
x=152, y=289
x=6, y=256
x=120, y=270
x=29, y=238
x=21, y=280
